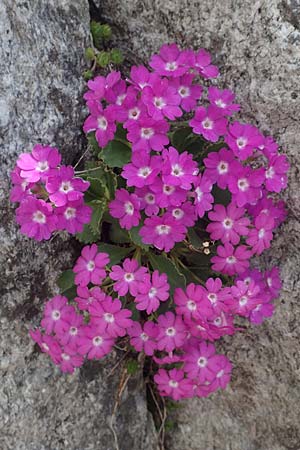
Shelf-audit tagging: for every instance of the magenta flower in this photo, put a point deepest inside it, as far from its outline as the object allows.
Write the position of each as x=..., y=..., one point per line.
x=117, y=93
x=243, y=139
x=142, y=170
x=161, y=100
x=267, y=205
x=36, y=218
x=217, y=296
x=183, y=214
x=273, y=281
x=246, y=297
x=125, y=207
x=143, y=339
x=148, y=134
x=190, y=303
x=99, y=85
x=209, y=122
x=39, y=164
x=69, y=360
x=153, y=292
x=128, y=278
x=163, y=232
x=245, y=184
x=87, y=296
x=202, y=64
x=276, y=173
x=198, y=362
x=94, y=342
x=261, y=312
x=203, y=198
x=189, y=93
x=269, y=147
x=260, y=237
x=219, y=166
x=73, y=216
x=102, y=121
x=140, y=77
x=90, y=266
x=222, y=368
x=223, y=100
x=171, y=61
x=56, y=314
x=108, y=313
x=68, y=335
x=172, y=332
x=230, y=260
x=228, y=224
x=173, y=384
x=48, y=344
x=148, y=201
x=63, y=187
x=21, y=187
x=167, y=195
x=178, y=169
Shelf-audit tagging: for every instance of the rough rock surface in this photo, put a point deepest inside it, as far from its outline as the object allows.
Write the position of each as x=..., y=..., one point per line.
x=257, y=46
x=41, y=61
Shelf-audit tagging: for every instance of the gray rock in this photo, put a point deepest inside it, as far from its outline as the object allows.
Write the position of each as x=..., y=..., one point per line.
x=256, y=45
x=41, y=62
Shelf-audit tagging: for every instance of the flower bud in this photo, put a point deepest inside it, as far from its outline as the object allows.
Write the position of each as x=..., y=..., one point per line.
x=103, y=59
x=89, y=53
x=116, y=56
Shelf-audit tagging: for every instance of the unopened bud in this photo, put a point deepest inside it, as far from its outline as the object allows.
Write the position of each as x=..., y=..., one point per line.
x=105, y=31
x=103, y=59
x=205, y=244
x=116, y=56
x=89, y=53
x=88, y=75
x=206, y=251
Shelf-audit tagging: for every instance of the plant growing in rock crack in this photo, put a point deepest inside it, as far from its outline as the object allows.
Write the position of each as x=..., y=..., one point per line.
x=172, y=210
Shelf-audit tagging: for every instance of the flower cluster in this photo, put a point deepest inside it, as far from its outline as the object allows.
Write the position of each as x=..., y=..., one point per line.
x=50, y=195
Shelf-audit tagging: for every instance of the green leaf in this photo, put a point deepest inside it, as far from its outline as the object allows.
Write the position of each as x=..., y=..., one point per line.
x=197, y=146
x=98, y=207
x=93, y=142
x=96, y=191
x=121, y=133
x=179, y=138
x=116, y=253
x=105, y=176
x=195, y=240
x=115, y=154
x=118, y=234
x=87, y=236
x=136, y=238
x=132, y=366
x=66, y=280
x=165, y=265
x=221, y=196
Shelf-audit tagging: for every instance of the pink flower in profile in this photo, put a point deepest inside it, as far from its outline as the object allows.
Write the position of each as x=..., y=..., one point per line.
x=56, y=314
x=21, y=187
x=87, y=296
x=202, y=64
x=230, y=260
x=172, y=332
x=94, y=342
x=69, y=360
x=228, y=223
x=148, y=134
x=39, y=164
x=245, y=184
x=171, y=61
x=203, y=198
x=173, y=384
x=260, y=237
x=223, y=100
x=189, y=93
x=128, y=278
x=142, y=170
x=269, y=147
x=178, y=169
x=73, y=216
x=125, y=207
x=222, y=369
x=276, y=173
x=198, y=361
x=108, y=313
x=161, y=100
x=219, y=166
x=143, y=338
x=153, y=292
x=48, y=344
x=243, y=139
x=36, y=218
x=148, y=201
x=209, y=122
x=63, y=187
x=183, y=214
x=90, y=266
x=102, y=121
x=261, y=312
x=163, y=232
x=273, y=281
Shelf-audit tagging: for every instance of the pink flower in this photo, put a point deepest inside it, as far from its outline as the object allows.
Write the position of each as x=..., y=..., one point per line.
x=261, y=312
x=173, y=384
x=276, y=173
x=223, y=100
x=143, y=339
x=171, y=61
x=48, y=344
x=273, y=281
x=140, y=77
x=222, y=368
x=68, y=335
x=203, y=198
x=129, y=277
x=63, y=187
x=153, y=292
x=108, y=313
x=183, y=214
x=228, y=224
x=172, y=332
x=272, y=207
x=148, y=201
x=39, y=164
x=245, y=184
x=142, y=170
x=167, y=195
x=94, y=342
x=148, y=134
x=99, y=85
x=269, y=147
x=90, y=266
x=217, y=296
x=246, y=297
x=161, y=100
x=87, y=296
x=198, y=362
x=56, y=314
x=189, y=94
x=69, y=360
x=260, y=237
x=190, y=303
x=21, y=187
x=163, y=232
x=209, y=122
x=178, y=169
x=231, y=260
x=203, y=66
x=36, y=218
x=102, y=122
x=125, y=207
x=243, y=139
x=219, y=166
x=73, y=216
